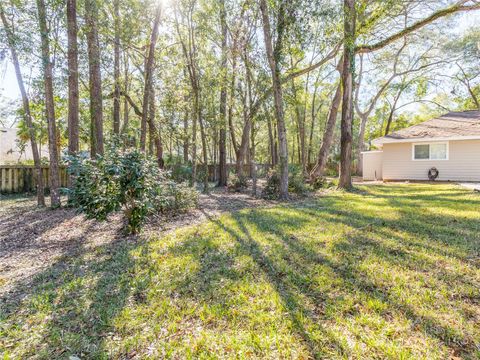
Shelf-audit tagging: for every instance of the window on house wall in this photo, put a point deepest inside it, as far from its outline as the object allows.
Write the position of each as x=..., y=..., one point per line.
x=433, y=151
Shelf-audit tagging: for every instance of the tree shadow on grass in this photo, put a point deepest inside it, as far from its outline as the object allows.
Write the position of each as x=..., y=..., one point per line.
x=69, y=308
x=363, y=241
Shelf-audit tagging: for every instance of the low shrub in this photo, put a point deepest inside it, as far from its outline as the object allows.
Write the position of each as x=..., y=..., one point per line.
x=296, y=183
x=321, y=183
x=237, y=183
x=127, y=180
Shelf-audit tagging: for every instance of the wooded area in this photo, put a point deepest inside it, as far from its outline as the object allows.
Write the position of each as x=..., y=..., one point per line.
x=192, y=82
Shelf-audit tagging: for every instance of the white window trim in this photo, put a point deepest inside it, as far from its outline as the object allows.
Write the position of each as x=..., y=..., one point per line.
x=429, y=150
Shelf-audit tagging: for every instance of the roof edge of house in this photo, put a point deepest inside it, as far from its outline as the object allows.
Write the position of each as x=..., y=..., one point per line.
x=384, y=140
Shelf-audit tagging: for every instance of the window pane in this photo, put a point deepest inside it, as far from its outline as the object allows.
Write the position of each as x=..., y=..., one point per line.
x=422, y=152
x=438, y=151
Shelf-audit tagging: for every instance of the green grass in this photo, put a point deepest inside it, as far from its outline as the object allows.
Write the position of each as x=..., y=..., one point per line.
x=383, y=272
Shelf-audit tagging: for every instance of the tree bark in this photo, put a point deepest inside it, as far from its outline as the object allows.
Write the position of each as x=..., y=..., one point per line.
x=155, y=134
x=301, y=130
x=73, y=95
x=95, y=79
x=345, y=178
x=271, y=139
x=361, y=143
x=222, y=146
x=49, y=105
x=26, y=109
x=149, y=77
x=125, y=100
x=116, y=68
x=186, y=142
x=327, y=139
x=273, y=56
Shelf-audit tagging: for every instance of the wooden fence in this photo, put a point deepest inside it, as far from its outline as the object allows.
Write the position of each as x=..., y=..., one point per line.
x=21, y=178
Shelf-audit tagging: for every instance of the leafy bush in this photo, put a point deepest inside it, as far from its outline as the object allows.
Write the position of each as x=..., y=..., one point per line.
x=237, y=183
x=296, y=183
x=321, y=183
x=126, y=179
x=272, y=187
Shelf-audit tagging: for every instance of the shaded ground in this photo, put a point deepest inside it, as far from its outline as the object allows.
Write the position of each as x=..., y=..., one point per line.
x=32, y=239
x=390, y=271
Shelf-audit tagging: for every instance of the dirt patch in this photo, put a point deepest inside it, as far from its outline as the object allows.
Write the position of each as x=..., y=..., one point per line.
x=32, y=239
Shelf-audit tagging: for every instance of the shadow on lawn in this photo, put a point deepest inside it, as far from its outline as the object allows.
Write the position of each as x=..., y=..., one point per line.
x=290, y=265
x=72, y=303
x=83, y=293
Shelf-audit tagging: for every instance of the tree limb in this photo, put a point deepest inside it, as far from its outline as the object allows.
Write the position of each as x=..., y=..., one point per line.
x=458, y=7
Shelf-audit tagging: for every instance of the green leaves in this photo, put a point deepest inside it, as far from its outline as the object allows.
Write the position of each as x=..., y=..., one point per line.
x=128, y=180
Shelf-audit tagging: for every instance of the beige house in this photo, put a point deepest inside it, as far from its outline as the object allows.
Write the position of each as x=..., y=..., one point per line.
x=449, y=143
x=12, y=151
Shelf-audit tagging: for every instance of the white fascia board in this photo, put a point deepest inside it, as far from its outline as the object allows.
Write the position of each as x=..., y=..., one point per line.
x=425, y=139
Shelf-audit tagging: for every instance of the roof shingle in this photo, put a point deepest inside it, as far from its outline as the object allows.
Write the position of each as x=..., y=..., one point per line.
x=453, y=124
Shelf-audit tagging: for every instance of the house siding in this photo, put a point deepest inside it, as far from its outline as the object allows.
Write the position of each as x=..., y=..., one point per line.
x=463, y=162
x=372, y=165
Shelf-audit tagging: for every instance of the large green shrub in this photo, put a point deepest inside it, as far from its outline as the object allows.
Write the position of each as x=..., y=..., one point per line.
x=296, y=183
x=126, y=180
x=237, y=183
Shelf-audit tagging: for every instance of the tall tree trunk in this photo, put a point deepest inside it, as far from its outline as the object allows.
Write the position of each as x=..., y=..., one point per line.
x=271, y=139
x=300, y=116
x=186, y=142
x=222, y=168
x=196, y=107
x=73, y=99
x=327, y=139
x=125, y=100
x=49, y=105
x=116, y=68
x=149, y=77
x=26, y=109
x=273, y=55
x=203, y=136
x=392, y=110
x=231, y=106
x=361, y=144
x=345, y=178
x=155, y=135
x=95, y=79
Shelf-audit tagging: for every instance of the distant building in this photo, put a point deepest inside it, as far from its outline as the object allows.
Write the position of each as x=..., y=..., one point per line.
x=13, y=151
x=448, y=146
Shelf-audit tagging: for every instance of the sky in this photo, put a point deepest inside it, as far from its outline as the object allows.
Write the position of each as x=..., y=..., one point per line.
x=9, y=89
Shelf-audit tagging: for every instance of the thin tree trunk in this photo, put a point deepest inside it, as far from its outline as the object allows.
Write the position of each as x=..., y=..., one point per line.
x=26, y=110
x=392, y=110
x=301, y=130
x=327, y=139
x=230, y=107
x=49, y=105
x=149, y=77
x=222, y=180
x=95, y=79
x=273, y=55
x=345, y=178
x=125, y=100
x=73, y=95
x=116, y=68
x=361, y=144
x=271, y=140
x=185, y=137
x=155, y=135
x=204, y=149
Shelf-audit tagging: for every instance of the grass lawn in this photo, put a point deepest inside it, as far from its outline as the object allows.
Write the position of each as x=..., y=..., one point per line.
x=387, y=271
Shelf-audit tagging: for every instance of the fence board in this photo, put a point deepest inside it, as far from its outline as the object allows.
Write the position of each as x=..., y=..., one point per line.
x=21, y=178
